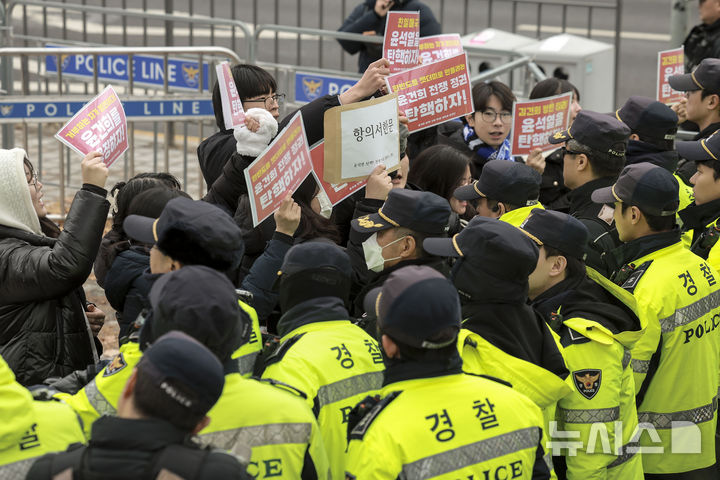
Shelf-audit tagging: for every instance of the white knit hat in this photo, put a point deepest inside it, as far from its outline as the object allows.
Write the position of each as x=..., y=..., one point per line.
x=16, y=207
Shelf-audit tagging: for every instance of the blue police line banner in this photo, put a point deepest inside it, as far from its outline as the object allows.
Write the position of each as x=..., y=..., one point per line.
x=148, y=71
x=43, y=110
x=309, y=86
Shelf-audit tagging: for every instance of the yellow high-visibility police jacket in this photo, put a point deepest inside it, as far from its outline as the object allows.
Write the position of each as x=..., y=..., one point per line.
x=276, y=425
x=448, y=427
x=676, y=362
x=597, y=422
x=336, y=364
x=14, y=407
x=519, y=215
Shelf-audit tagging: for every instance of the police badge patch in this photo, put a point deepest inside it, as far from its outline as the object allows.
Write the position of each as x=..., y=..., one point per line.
x=117, y=364
x=587, y=382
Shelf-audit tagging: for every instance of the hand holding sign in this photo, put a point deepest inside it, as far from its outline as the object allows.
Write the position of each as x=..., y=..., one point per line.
x=99, y=126
x=287, y=217
x=94, y=171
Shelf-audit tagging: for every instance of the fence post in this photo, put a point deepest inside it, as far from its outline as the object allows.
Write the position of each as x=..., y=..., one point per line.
x=678, y=21
x=8, y=135
x=618, y=31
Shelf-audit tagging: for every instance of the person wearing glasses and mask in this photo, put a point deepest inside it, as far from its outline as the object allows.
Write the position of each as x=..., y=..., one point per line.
x=593, y=156
x=45, y=329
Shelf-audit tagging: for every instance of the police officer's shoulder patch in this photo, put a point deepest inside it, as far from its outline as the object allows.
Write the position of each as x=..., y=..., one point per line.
x=568, y=337
x=358, y=431
x=635, y=277
x=282, y=350
x=118, y=363
x=587, y=382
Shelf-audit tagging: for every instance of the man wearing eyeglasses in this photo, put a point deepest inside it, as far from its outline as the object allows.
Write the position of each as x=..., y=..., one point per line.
x=703, y=41
x=593, y=156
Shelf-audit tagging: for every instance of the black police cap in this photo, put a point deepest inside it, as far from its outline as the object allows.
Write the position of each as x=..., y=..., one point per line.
x=422, y=212
x=706, y=76
x=652, y=189
x=700, y=150
x=557, y=230
x=602, y=133
x=648, y=118
x=415, y=304
x=505, y=181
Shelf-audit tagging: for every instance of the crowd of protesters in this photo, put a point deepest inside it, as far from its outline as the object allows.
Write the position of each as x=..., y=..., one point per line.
x=469, y=315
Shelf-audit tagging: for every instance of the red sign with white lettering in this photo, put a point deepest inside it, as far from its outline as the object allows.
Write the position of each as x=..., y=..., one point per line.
x=335, y=192
x=535, y=120
x=401, y=42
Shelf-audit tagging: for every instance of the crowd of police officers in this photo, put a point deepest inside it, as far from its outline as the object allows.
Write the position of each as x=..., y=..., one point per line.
x=532, y=343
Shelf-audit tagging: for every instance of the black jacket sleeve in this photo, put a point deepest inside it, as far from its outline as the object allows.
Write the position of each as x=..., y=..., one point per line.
x=230, y=185
x=361, y=19
x=313, y=115
x=43, y=273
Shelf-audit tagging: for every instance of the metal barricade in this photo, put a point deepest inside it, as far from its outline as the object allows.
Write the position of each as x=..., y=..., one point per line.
x=41, y=116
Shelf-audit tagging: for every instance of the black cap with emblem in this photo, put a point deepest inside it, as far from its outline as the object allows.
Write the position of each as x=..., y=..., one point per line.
x=605, y=134
x=505, y=181
x=652, y=189
x=648, y=118
x=422, y=212
x=706, y=76
x=557, y=230
x=701, y=150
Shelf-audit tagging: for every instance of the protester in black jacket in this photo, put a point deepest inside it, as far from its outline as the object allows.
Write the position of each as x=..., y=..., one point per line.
x=369, y=18
x=703, y=41
x=164, y=403
x=44, y=328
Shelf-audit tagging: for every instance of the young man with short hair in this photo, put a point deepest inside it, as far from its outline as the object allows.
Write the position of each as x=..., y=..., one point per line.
x=702, y=91
x=676, y=362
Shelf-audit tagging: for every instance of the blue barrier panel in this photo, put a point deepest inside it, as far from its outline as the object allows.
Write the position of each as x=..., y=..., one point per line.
x=43, y=110
x=309, y=86
x=148, y=71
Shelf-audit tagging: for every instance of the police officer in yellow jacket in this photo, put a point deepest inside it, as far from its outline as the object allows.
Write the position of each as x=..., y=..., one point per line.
x=31, y=428
x=505, y=190
x=700, y=219
x=332, y=361
x=597, y=325
x=431, y=420
x=677, y=361
x=502, y=336
x=276, y=425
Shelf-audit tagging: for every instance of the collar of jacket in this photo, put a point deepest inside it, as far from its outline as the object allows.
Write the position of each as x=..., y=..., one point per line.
x=642, y=246
x=320, y=309
x=638, y=152
x=580, y=197
x=399, y=370
x=149, y=434
x=699, y=216
x=709, y=130
x=593, y=306
x=31, y=238
x=516, y=329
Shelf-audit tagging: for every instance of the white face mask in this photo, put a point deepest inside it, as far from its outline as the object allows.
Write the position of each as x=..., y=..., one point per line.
x=373, y=253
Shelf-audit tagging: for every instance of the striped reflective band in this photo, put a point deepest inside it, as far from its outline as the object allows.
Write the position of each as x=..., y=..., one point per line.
x=246, y=363
x=627, y=357
x=592, y=415
x=640, y=366
x=349, y=387
x=17, y=469
x=692, y=312
x=695, y=415
x=472, y=454
x=627, y=451
x=259, y=435
x=98, y=400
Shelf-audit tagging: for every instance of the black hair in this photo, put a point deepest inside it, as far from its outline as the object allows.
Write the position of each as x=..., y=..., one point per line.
x=180, y=246
x=250, y=80
x=656, y=223
x=153, y=402
x=26, y=162
x=482, y=92
x=419, y=238
x=125, y=192
x=553, y=86
x=714, y=164
x=312, y=224
x=151, y=202
x=411, y=353
x=601, y=164
x=492, y=204
x=574, y=266
x=439, y=169
x=168, y=179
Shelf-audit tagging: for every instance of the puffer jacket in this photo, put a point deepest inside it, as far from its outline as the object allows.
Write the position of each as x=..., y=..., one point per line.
x=127, y=286
x=43, y=330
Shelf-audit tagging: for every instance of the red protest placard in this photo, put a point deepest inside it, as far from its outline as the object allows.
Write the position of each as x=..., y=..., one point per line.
x=233, y=113
x=670, y=62
x=535, y=120
x=278, y=170
x=99, y=126
x=439, y=47
x=400, y=45
x=335, y=192
x=434, y=93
